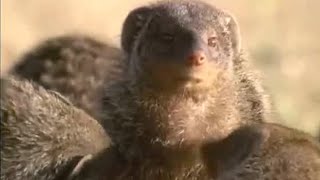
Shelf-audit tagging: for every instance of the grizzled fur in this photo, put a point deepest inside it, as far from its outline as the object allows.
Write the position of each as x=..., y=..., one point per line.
x=159, y=111
x=43, y=136
x=77, y=66
x=264, y=151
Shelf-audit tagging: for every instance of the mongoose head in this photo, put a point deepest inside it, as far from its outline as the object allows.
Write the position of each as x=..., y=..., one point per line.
x=72, y=64
x=180, y=44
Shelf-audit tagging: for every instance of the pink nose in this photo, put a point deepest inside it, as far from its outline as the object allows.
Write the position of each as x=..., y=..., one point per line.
x=197, y=58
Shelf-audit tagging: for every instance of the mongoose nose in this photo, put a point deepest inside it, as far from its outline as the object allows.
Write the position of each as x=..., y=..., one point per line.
x=197, y=58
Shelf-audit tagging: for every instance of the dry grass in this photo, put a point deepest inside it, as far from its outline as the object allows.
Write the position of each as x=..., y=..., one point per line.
x=282, y=37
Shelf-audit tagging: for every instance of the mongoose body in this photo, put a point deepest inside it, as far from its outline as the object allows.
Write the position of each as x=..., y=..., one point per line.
x=77, y=66
x=183, y=83
x=264, y=151
x=43, y=136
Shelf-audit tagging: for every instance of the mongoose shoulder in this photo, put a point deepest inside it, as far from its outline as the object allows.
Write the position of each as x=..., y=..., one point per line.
x=264, y=151
x=43, y=136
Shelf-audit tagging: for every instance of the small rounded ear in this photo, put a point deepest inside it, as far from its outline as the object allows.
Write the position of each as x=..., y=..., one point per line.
x=132, y=25
x=78, y=166
x=233, y=30
x=60, y=97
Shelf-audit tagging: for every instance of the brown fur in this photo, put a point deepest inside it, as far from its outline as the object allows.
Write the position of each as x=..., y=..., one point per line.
x=77, y=66
x=159, y=111
x=43, y=136
x=264, y=151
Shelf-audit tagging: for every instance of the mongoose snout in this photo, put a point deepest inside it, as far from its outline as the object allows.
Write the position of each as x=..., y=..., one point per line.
x=196, y=58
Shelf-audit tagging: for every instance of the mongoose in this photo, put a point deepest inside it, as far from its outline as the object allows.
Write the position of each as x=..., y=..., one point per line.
x=75, y=65
x=264, y=151
x=44, y=136
x=183, y=83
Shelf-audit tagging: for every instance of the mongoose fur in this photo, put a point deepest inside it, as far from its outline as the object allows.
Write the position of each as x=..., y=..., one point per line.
x=44, y=136
x=264, y=151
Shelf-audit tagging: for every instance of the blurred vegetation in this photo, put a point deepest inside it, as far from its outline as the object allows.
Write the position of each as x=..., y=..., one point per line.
x=282, y=37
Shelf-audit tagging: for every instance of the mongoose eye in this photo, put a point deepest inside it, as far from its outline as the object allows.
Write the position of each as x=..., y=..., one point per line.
x=224, y=34
x=212, y=41
x=167, y=37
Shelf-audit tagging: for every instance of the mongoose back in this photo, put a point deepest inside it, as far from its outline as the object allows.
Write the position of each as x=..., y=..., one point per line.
x=264, y=151
x=76, y=66
x=183, y=83
x=43, y=136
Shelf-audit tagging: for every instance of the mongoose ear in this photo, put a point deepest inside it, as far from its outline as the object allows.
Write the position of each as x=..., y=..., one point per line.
x=233, y=30
x=107, y=162
x=60, y=97
x=78, y=166
x=230, y=152
x=132, y=25
x=72, y=167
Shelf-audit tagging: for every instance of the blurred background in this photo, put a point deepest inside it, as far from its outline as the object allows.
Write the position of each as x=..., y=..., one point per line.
x=281, y=36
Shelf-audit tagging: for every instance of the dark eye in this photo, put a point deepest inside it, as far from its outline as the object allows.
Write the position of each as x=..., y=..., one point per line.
x=224, y=34
x=212, y=41
x=167, y=37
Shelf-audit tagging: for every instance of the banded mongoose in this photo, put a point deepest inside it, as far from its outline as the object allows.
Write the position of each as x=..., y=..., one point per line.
x=183, y=83
x=44, y=136
x=77, y=66
x=264, y=151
